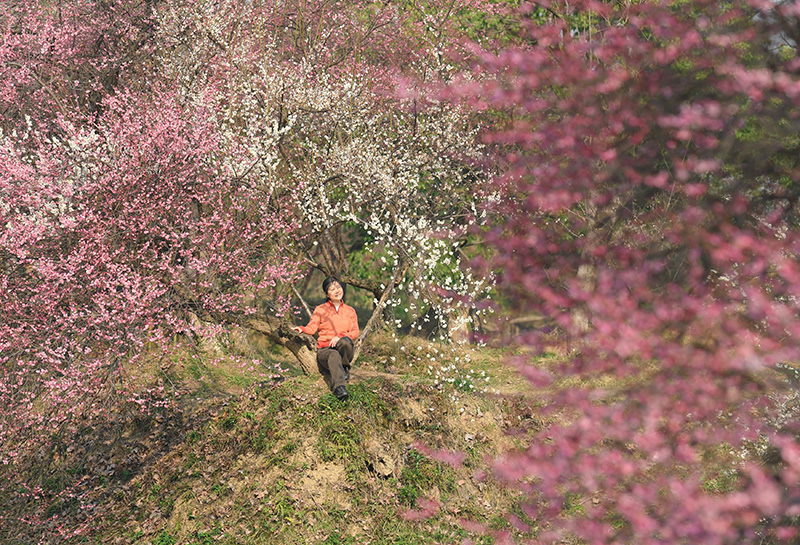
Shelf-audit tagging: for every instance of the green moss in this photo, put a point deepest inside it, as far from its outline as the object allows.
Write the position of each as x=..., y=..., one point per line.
x=421, y=474
x=165, y=538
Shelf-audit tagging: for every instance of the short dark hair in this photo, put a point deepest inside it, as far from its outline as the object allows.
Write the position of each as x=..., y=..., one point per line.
x=327, y=284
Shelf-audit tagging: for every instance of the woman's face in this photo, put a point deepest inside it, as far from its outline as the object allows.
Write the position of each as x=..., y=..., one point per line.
x=335, y=291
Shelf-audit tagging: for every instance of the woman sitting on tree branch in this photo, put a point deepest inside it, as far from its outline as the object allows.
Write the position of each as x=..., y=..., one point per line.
x=337, y=325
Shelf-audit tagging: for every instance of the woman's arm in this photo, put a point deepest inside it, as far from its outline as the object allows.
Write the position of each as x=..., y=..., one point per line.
x=313, y=324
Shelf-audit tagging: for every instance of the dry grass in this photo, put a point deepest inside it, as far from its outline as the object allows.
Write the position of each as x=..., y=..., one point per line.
x=239, y=457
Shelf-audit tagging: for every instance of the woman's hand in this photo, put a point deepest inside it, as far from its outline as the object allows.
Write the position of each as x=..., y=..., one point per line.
x=298, y=329
x=334, y=341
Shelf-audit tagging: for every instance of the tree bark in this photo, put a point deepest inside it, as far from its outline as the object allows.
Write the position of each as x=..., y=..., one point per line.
x=304, y=347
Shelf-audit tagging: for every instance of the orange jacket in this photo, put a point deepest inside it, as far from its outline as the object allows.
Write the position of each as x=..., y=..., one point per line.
x=332, y=323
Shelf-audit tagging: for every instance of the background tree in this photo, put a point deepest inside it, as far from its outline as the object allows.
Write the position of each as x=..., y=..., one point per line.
x=382, y=187
x=649, y=194
x=158, y=159
x=121, y=219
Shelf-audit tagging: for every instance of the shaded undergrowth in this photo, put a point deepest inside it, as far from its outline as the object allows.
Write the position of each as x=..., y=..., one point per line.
x=280, y=460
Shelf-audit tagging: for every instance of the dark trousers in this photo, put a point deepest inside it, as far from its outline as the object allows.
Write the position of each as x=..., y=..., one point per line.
x=332, y=362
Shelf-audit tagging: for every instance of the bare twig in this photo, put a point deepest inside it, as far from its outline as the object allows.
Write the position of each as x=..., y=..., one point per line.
x=398, y=274
x=302, y=301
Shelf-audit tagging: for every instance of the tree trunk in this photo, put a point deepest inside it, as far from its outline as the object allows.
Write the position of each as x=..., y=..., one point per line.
x=304, y=347
x=581, y=320
x=458, y=325
x=587, y=272
x=305, y=356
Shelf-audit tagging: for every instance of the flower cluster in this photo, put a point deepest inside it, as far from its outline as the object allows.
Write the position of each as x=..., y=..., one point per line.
x=647, y=206
x=164, y=161
x=375, y=183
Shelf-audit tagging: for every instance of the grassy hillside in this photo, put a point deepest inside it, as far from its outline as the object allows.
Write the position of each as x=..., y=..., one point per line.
x=240, y=458
x=237, y=453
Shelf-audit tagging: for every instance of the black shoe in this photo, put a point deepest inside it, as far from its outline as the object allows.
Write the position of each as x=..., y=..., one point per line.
x=340, y=392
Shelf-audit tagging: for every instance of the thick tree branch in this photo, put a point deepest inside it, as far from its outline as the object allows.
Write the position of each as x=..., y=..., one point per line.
x=304, y=347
